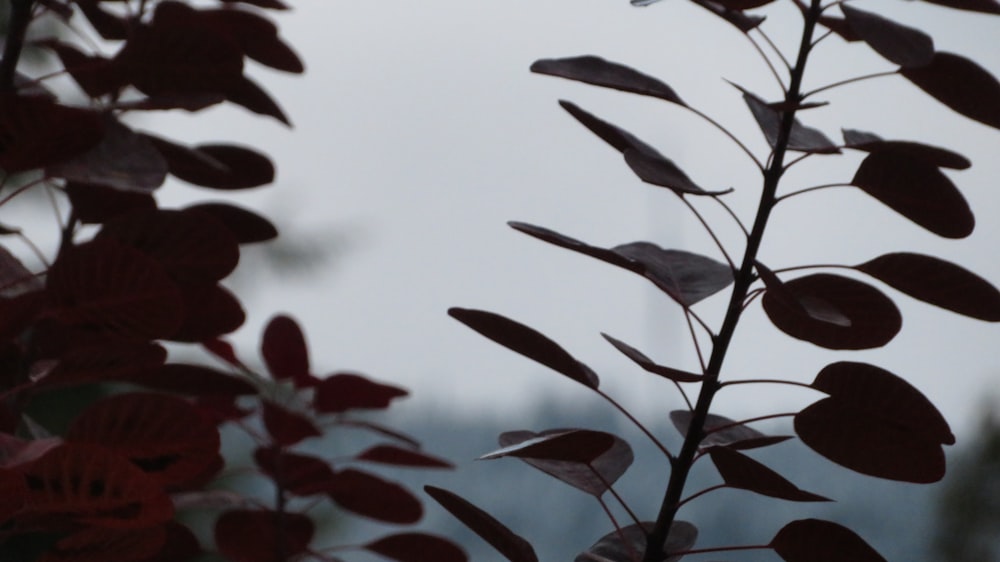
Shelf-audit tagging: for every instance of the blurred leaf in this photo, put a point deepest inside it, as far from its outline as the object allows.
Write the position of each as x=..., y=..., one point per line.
x=285, y=426
x=371, y=496
x=982, y=6
x=815, y=540
x=346, y=391
x=283, y=347
x=906, y=46
x=391, y=454
x=302, y=475
x=245, y=225
x=417, y=547
x=505, y=541
x=611, y=547
x=37, y=132
x=243, y=535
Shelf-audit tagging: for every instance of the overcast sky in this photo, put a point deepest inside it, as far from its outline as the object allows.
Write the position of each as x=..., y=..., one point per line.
x=419, y=132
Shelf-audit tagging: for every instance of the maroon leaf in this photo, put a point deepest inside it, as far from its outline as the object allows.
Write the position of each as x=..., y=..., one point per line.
x=660, y=171
x=801, y=138
x=38, y=132
x=97, y=544
x=104, y=360
x=245, y=225
x=96, y=75
x=563, y=241
x=526, y=341
x=960, y=84
x=505, y=541
x=302, y=475
x=247, y=93
x=612, y=548
x=371, y=496
x=719, y=430
x=647, y=364
x=258, y=535
x=937, y=282
x=588, y=468
x=95, y=204
x=269, y=4
x=870, y=142
x=740, y=5
x=12, y=493
x=192, y=380
x=599, y=72
x=390, y=454
x=815, y=540
x=218, y=166
x=188, y=101
x=417, y=547
x=617, y=137
x=740, y=471
x=906, y=46
x=347, y=391
x=283, y=347
x=916, y=189
x=743, y=22
x=875, y=423
x=211, y=311
x=285, y=426
x=108, y=25
x=839, y=26
x=257, y=36
x=983, y=6
x=842, y=313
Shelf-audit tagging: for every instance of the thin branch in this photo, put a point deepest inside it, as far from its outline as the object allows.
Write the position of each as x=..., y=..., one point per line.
x=808, y=189
x=694, y=340
x=767, y=61
x=776, y=50
x=748, y=420
x=711, y=233
x=726, y=132
x=701, y=493
x=849, y=81
x=636, y=422
x=763, y=381
x=611, y=489
x=736, y=218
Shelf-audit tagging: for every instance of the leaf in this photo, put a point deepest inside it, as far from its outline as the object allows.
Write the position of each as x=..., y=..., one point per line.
x=505, y=541
x=417, y=547
x=96, y=75
x=108, y=25
x=37, y=132
x=592, y=476
x=983, y=6
x=617, y=137
x=218, y=166
x=660, y=171
x=302, y=475
x=211, y=311
x=743, y=22
x=875, y=423
x=268, y=4
x=96, y=204
x=103, y=360
x=96, y=544
x=740, y=5
x=390, y=454
x=247, y=93
x=599, y=72
x=244, y=535
x=742, y=472
x=916, y=189
x=246, y=226
x=938, y=282
x=873, y=319
x=371, y=496
x=191, y=380
x=801, y=138
x=347, y=391
x=526, y=341
x=256, y=35
x=612, y=548
x=903, y=45
x=122, y=160
x=816, y=309
x=285, y=426
x=940, y=157
x=647, y=364
x=815, y=540
x=960, y=84
x=283, y=347
x=720, y=431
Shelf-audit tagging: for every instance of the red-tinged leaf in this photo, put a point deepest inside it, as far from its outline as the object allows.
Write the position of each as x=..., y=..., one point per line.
x=96, y=544
x=381, y=430
x=225, y=351
x=285, y=426
x=246, y=226
x=97, y=76
x=758, y=442
x=720, y=431
x=743, y=22
x=243, y=535
x=982, y=6
x=108, y=25
x=38, y=132
x=900, y=44
x=815, y=540
x=245, y=167
x=937, y=282
x=12, y=493
x=417, y=547
x=268, y=4
x=870, y=142
x=599, y=72
x=122, y=160
x=188, y=101
x=15, y=452
x=390, y=454
x=916, y=189
x=257, y=36
x=687, y=278
x=221, y=408
x=740, y=471
x=163, y=435
x=92, y=485
x=612, y=548
x=740, y=5
x=248, y=94
x=106, y=284
x=211, y=311
x=563, y=241
x=592, y=476
x=505, y=541
x=648, y=365
x=192, y=246
x=103, y=360
x=875, y=423
x=371, y=496
x=180, y=544
x=617, y=137
x=960, y=84
x=526, y=341
x=660, y=171
x=839, y=26
x=801, y=138
x=96, y=204
x=302, y=475
x=283, y=347
x=347, y=391
x=843, y=313
x=191, y=380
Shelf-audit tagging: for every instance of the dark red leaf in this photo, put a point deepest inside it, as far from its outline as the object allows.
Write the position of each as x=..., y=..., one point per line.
x=842, y=313
x=191, y=380
x=211, y=311
x=592, y=471
x=740, y=5
x=244, y=535
x=815, y=540
x=36, y=132
x=801, y=138
x=875, y=423
x=937, y=282
x=180, y=544
x=188, y=101
x=12, y=493
x=839, y=26
x=269, y=4
x=617, y=137
x=96, y=544
x=283, y=347
x=96, y=75
x=940, y=157
x=960, y=84
x=647, y=364
x=983, y=6
x=225, y=351
x=371, y=496
x=505, y=541
x=417, y=547
x=599, y=72
x=613, y=548
x=906, y=46
x=108, y=25
x=526, y=341
x=381, y=430
x=246, y=167
x=719, y=430
x=302, y=475
x=257, y=37
x=743, y=22
x=95, y=204
x=104, y=360
x=563, y=241
x=740, y=471
x=346, y=391
x=390, y=454
x=122, y=160
x=285, y=426
x=660, y=171
x=916, y=189
x=247, y=93
x=245, y=225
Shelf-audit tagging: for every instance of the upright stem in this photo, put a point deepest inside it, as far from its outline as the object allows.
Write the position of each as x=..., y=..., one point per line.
x=681, y=465
x=20, y=17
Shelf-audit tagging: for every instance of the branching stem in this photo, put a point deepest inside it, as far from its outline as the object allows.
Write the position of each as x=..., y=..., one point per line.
x=636, y=422
x=849, y=81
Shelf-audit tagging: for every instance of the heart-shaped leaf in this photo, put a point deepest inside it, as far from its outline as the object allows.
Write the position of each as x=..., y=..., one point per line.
x=505, y=541
x=960, y=84
x=815, y=540
x=740, y=471
x=629, y=543
x=417, y=547
x=599, y=72
x=940, y=157
x=903, y=45
x=647, y=364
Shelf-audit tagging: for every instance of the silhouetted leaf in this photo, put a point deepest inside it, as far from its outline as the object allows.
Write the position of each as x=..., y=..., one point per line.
x=720, y=430
x=285, y=426
x=687, y=278
x=599, y=72
x=903, y=45
x=283, y=347
x=743, y=22
x=553, y=237
x=660, y=171
x=937, y=282
x=95, y=204
x=346, y=391
x=108, y=25
x=218, y=166
x=256, y=35
x=801, y=138
x=37, y=132
x=245, y=225
x=302, y=475
x=505, y=541
x=211, y=311
x=553, y=452
x=98, y=544
x=103, y=360
x=96, y=75
x=916, y=189
x=417, y=547
x=398, y=456
x=244, y=535
x=526, y=341
x=961, y=84
x=873, y=319
x=647, y=364
x=983, y=6
x=740, y=471
x=269, y=4
x=247, y=93
x=612, y=548
x=815, y=540
x=371, y=496
x=875, y=423
x=192, y=380
x=838, y=26
x=817, y=309
x=870, y=142
x=614, y=135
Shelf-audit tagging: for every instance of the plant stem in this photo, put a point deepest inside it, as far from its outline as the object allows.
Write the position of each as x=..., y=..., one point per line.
x=772, y=175
x=20, y=17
